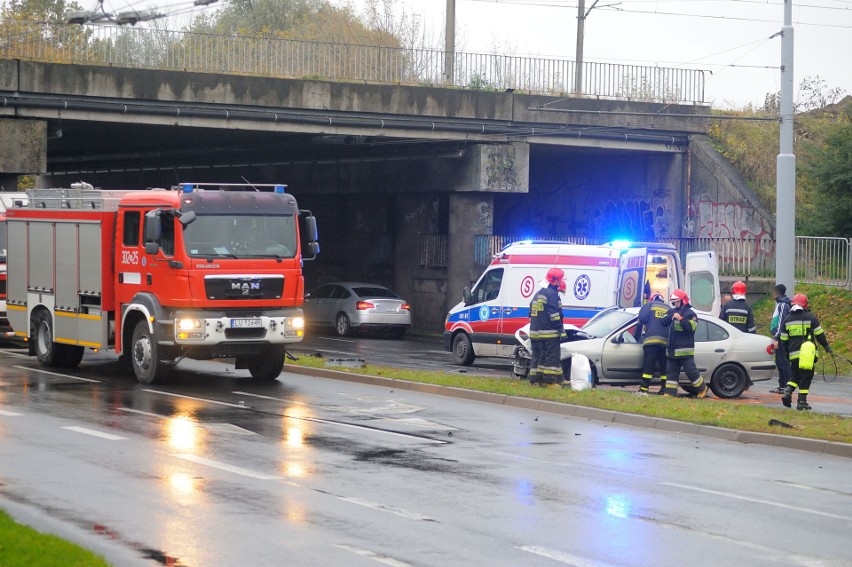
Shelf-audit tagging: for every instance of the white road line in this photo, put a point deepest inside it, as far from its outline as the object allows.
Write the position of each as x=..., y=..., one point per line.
x=561, y=556
x=389, y=509
x=337, y=340
x=140, y=412
x=383, y=559
x=9, y=413
x=217, y=402
x=225, y=467
x=94, y=433
x=758, y=501
x=57, y=374
x=249, y=394
x=18, y=354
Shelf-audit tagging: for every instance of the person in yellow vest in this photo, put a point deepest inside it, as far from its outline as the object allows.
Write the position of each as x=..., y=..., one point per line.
x=798, y=332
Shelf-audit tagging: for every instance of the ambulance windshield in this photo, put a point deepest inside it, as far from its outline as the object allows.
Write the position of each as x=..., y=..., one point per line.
x=241, y=236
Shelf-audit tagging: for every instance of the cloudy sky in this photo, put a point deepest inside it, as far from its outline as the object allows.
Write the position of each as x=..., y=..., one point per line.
x=728, y=38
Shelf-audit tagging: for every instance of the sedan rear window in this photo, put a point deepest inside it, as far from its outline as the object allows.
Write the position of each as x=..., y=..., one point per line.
x=378, y=292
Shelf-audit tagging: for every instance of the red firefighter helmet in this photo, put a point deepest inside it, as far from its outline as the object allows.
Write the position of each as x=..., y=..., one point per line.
x=739, y=288
x=801, y=300
x=554, y=276
x=562, y=286
x=679, y=295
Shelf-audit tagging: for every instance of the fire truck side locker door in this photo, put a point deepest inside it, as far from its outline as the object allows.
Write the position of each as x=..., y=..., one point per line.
x=702, y=281
x=632, y=277
x=16, y=284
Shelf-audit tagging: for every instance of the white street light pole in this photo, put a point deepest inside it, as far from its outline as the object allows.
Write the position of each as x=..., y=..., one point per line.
x=785, y=199
x=450, y=42
x=582, y=14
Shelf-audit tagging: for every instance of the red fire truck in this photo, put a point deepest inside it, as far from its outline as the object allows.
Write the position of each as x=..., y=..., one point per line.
x=201, y=271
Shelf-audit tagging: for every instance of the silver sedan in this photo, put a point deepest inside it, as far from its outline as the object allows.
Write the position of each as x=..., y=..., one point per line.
x=728, y=357
x=347, y=306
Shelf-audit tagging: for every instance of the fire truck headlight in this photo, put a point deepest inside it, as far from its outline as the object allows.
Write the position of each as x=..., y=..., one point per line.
x=297, y=323
x=188, y=324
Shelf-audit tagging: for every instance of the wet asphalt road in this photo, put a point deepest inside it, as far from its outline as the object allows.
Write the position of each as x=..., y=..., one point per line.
x=213, y=469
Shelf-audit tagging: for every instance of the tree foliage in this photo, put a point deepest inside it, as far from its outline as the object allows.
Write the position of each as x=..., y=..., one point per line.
x=752, y=146
x=831, y=175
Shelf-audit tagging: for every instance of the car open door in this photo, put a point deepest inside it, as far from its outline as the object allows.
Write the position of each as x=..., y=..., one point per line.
x=631, y=283
x=702, y=281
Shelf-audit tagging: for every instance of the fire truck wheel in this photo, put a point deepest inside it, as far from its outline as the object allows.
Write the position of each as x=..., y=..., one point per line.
x=41, y=329
x=342, y=325
x=268, y=365
x=145, y=356
x=463, y=350
x=70, y=355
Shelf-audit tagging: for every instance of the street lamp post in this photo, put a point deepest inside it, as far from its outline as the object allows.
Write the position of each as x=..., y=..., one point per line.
x=450, y=43
x=785, y=197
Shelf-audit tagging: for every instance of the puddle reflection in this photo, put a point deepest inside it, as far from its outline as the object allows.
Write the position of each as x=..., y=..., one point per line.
x=295, y=429
x=183, y=434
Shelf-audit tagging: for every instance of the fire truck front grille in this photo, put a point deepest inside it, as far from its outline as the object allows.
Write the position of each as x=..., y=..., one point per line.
x=245, y=333
x=244, y=287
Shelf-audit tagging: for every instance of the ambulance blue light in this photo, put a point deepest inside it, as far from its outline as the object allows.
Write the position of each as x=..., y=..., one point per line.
x=186, y=187
x=621, y=244
x=280, y=188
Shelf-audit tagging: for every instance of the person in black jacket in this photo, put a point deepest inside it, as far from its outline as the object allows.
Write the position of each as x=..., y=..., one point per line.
x=782, y=309
x=654, y=337
x=682, y=322
x=800, y=326
x=737, y=312
x=546, y=330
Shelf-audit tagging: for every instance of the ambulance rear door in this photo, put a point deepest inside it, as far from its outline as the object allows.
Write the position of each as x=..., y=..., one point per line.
x=631, y=283
x=702, y=281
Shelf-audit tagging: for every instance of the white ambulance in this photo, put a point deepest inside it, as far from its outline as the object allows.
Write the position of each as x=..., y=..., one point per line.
x=597, y=277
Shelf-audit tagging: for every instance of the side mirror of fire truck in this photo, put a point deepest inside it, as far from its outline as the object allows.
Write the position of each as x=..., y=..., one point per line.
x=468, y=297
x=310, y=234
x=153, y=231
x=186, y=218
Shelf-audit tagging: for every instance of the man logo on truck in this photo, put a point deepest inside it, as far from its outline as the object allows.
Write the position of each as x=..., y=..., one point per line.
x=245, y=287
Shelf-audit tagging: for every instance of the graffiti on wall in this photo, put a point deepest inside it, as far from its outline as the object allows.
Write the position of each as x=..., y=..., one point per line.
x=632, y=218
x=750, y=234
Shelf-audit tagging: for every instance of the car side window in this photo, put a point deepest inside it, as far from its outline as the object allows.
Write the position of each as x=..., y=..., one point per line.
x=346, y=294
x=321, y=293
x=716, y=333
x=489, y=287
x=336, y=292
x=701, y=331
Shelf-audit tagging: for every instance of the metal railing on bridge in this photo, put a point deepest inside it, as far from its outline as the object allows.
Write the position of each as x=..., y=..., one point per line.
x=820, y=260
x=275, y=57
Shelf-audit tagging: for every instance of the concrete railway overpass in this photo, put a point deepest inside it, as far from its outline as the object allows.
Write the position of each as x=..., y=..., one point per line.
x=388, y=169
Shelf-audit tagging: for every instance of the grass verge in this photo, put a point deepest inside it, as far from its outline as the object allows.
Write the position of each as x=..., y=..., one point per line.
x=21, y=546
x=719, y=413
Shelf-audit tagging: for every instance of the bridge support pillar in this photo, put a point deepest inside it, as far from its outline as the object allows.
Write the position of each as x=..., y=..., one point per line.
x=470, y=214
x=23, y=150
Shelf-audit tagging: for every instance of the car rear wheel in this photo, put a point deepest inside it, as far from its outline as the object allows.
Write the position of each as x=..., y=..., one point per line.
x=463, y=350
x=342, y=325
x=729, y=381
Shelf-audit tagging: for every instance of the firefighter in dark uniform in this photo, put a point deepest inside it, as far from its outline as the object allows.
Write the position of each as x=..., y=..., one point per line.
x=736, y=312
x=546, y=329
x=682, y=321
x=654, y=337
x=799, y=327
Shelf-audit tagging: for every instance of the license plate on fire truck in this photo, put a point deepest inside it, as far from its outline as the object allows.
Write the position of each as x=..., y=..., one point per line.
x=246, y=323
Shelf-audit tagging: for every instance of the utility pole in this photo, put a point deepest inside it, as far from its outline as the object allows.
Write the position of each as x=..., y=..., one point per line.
x=785, y=196
x=450, y=43
x=582, y=14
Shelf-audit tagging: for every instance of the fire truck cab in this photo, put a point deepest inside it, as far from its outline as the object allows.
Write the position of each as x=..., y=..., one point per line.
x=200, y=271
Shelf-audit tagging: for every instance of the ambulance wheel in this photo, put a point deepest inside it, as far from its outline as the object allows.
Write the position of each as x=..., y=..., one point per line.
x=145, y=356
x=70, y=355
x=463, y=350
x=41, y=329
x=268, y=365
x=729, y=381
x=342, y=325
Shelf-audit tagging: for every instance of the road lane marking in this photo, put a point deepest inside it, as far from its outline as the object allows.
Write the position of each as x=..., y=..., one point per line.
x=336, y=340
x=57, y=374
x=383, y=559
x=758, y=501
x=18, y=354
x=561, y=556
x=94, y=433
x=9, y=413
x=389, y=509
x=249, y=394
x=140, y=412
x=225, y=467
x=812, y=488
x=241, y=406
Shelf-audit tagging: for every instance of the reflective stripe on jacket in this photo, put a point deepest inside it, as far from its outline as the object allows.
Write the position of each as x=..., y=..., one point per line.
x=651, y=327
x=798, y=327
x=681, y=333
x=546, y=314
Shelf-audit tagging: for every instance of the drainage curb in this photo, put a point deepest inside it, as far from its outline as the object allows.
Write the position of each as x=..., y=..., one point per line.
x=609, y=416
